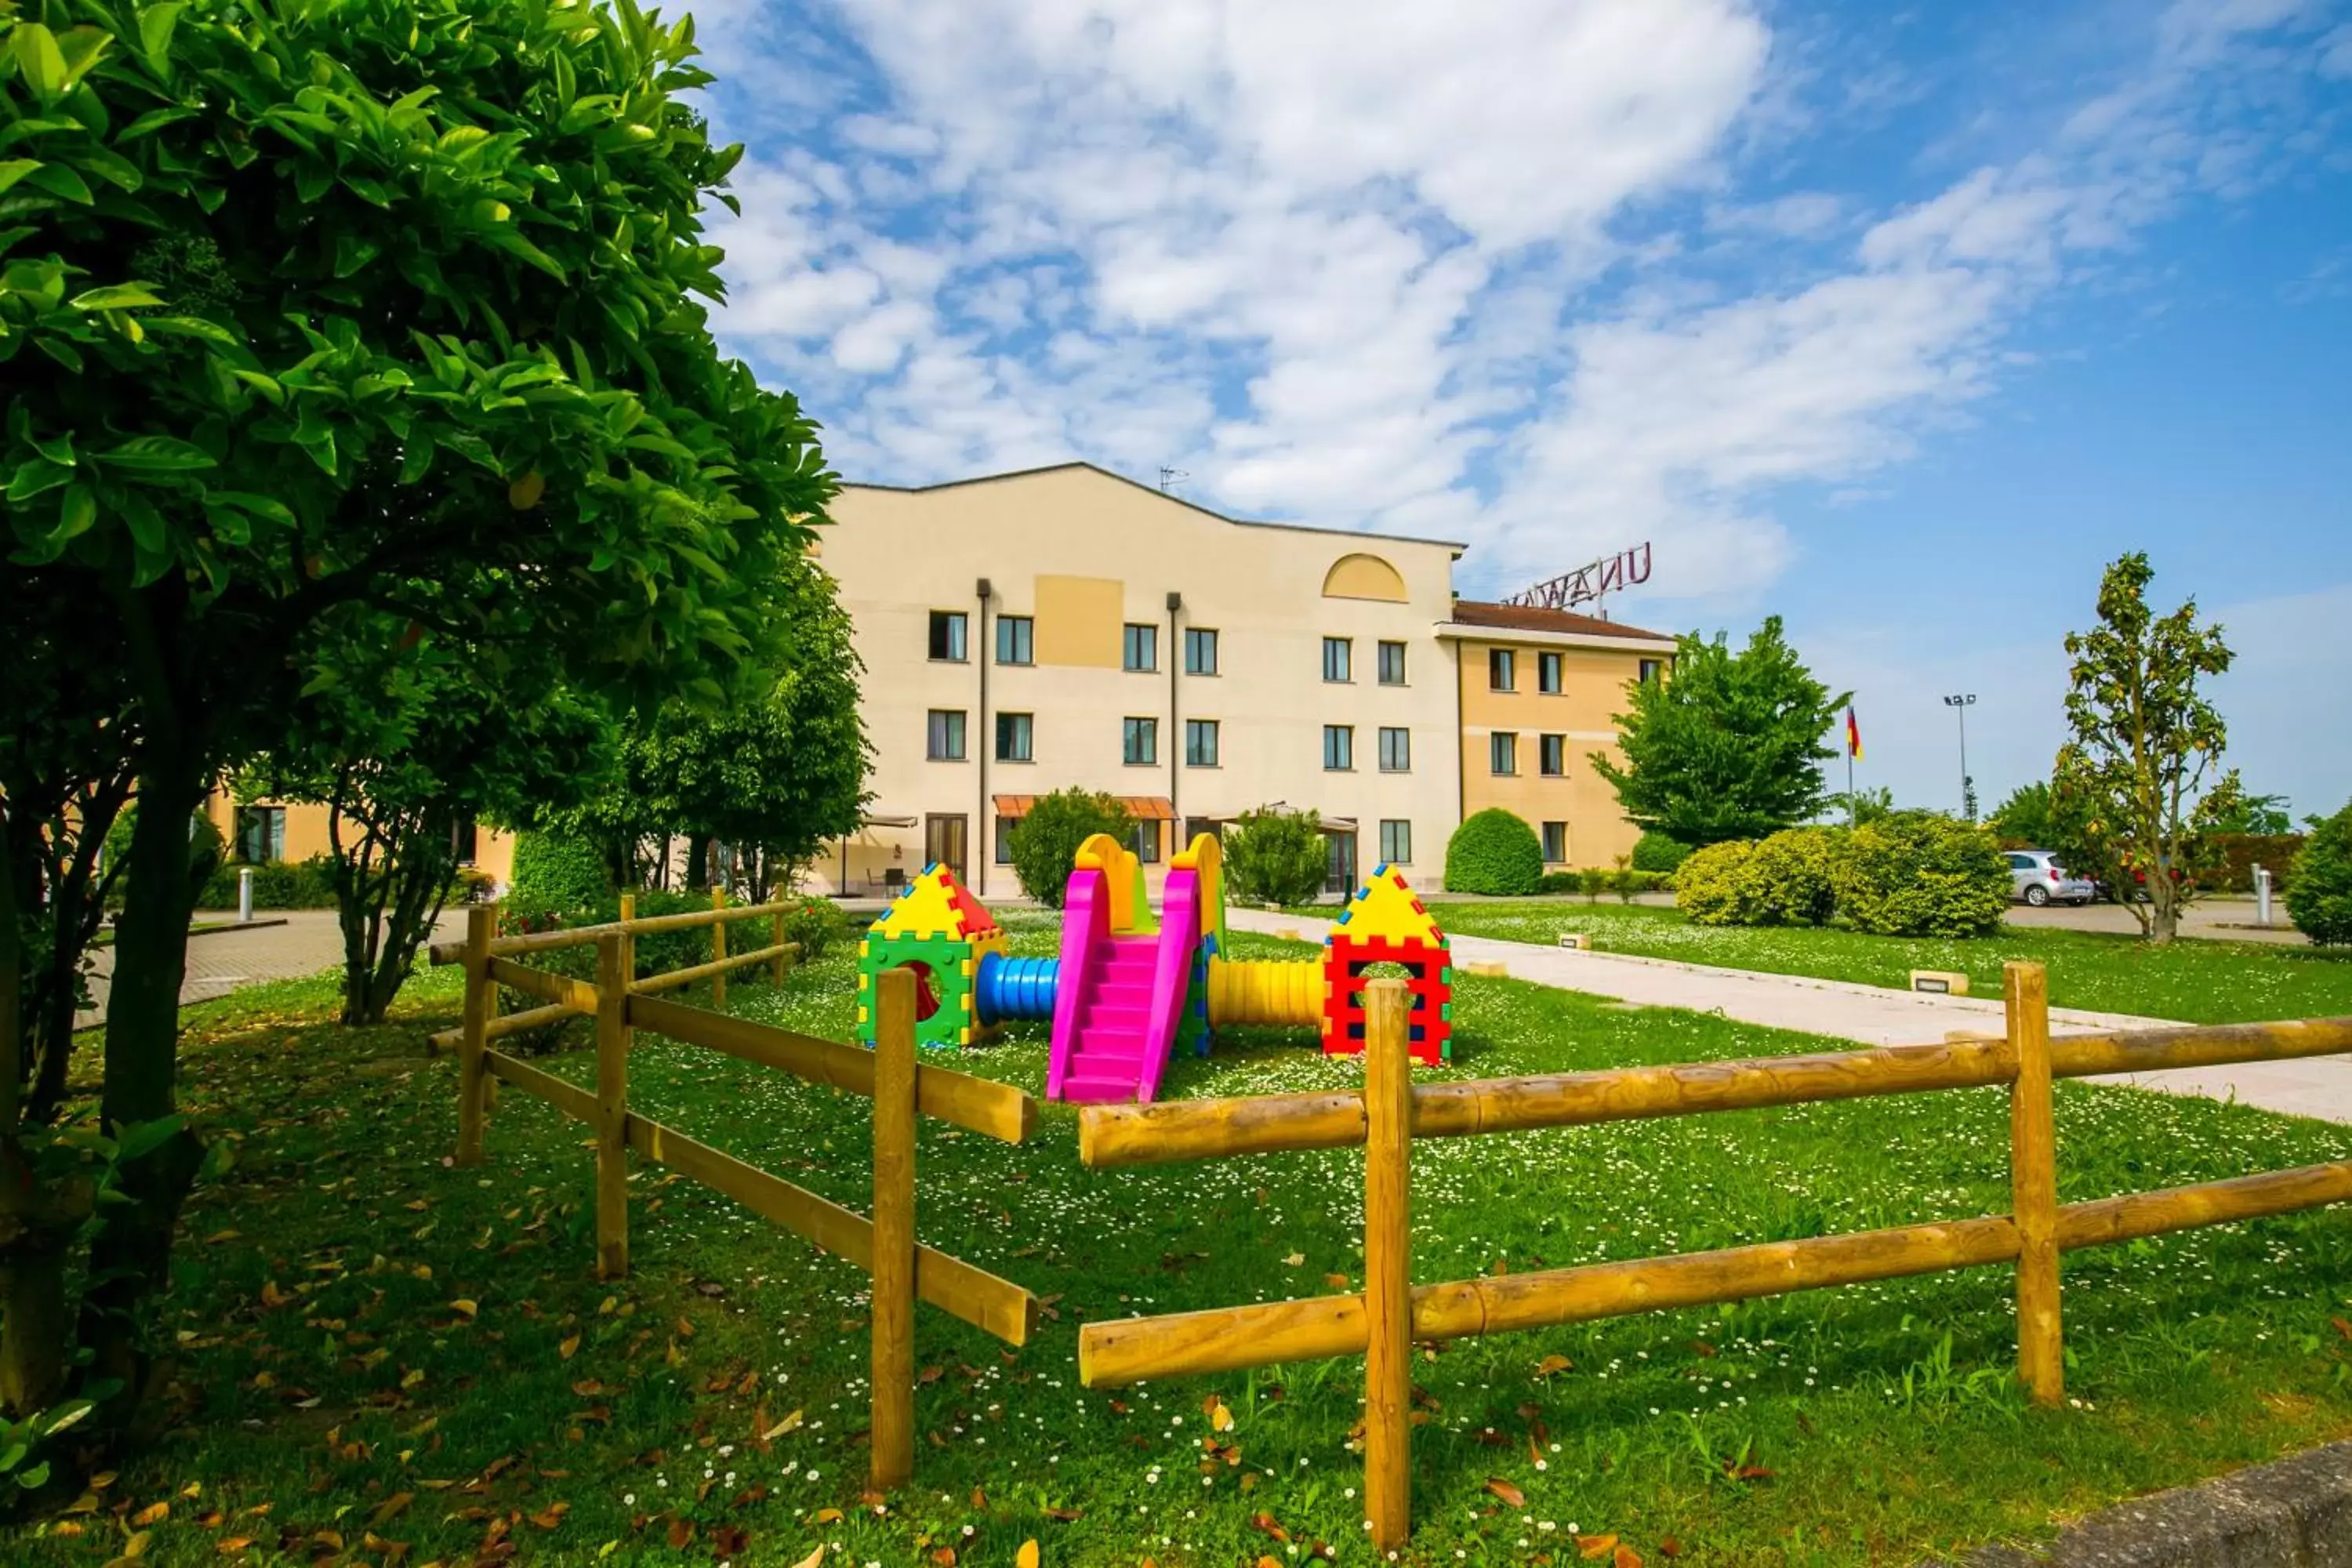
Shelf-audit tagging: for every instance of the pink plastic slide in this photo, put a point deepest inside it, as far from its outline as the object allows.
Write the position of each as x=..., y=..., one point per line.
x=1120, y=996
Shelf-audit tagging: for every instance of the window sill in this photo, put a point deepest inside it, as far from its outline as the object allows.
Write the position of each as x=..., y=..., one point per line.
x=1018, y=762
x=1014, y=663
x=947, y=758
x=937, y=659
x=1329, y=769
x=1205, y=766
x=1146, y=763
x=1138, y=669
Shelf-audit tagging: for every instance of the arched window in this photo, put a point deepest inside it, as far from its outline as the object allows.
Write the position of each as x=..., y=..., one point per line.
x=1363, y=577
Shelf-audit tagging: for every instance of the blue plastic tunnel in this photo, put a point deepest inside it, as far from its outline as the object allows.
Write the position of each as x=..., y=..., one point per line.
x=1008, y=988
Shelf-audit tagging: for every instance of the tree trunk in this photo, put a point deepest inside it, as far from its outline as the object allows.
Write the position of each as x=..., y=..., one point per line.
x=131, y=1258
x=697, y=862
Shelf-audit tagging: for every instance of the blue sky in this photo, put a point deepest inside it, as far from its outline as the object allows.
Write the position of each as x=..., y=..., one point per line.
x=1897, y=321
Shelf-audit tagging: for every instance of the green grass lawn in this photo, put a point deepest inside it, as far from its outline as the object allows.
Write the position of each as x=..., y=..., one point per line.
x=383, y=1358
x=2195, y=981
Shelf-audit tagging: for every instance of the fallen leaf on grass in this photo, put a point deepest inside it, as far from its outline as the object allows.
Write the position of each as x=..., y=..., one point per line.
x=1626, y=1557
x=1336, y=1281
x=154, y=1513
x=466, y=1305
x=552, y=1517
x=1265, y=1523
x=1507, y=1492
x=1552, y=1365
x=233, y=1545
x=826, y=1516
x=780, y=1427
x=731, y=1540
x=1670, y=1546
x=390, y=1509
x=569, y=1348
x=1596, y=1545
x=811, y=1559
x=1027, y=1556
x=681, y=1534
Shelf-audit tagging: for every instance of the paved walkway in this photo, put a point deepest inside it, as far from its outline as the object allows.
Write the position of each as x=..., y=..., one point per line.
x=304, y=943
x=1869, y=1015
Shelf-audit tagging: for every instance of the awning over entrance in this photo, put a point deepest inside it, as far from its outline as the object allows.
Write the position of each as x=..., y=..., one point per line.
x=1332, y=825
x=877, y=819
x=1142, y=808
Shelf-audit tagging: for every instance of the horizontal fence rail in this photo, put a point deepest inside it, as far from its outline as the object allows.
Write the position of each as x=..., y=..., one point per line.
x=883, y=1243
x=1388, y=1315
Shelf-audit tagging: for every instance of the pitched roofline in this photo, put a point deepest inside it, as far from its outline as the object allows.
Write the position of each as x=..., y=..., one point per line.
x=1455, y=545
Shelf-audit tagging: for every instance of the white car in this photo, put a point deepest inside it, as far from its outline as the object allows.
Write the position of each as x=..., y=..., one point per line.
x=2036, y=877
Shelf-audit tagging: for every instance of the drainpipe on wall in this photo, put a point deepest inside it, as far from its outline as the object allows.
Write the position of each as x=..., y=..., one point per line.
x=984, y=857
x=1175, y=730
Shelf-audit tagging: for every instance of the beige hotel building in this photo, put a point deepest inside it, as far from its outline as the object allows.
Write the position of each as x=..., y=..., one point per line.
x=1027, y=632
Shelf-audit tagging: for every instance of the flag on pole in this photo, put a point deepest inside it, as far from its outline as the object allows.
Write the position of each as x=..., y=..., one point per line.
x=1853, y=736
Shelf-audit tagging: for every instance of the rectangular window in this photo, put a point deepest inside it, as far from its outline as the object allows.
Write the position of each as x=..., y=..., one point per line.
x=1547, y=673
x=946, y=740
x=1391, y=664
x=1338, y=659
x=1396, y=841
x=1147, y=843
x=1396, y=750
x=1338, y=748
x=1502, y=670
x=260, y=834
x=1015, y=639
x=1138, y=743
x=1502, y=752
x=947, y=636
x=1140, y=646
x=1555, y=843
x=1551, y=755
x=1651, y=668
x=1200, y=651
x=466, y=840
x=1004, y=826
x=1200, y=743
x=1014, y=734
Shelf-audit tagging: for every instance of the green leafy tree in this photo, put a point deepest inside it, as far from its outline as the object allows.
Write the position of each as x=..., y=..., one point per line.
x=1276, y=856
x=2319, y=892
x=1730, y=746
x=1920, y=873
x=1045, y=844
x=2142, y=762
x=1855, y=807
x=1494, y=852
x=320, y=313
x=2026, y=816
x=2263, y=815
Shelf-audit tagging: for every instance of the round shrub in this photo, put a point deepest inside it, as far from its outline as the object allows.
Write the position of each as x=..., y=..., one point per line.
x=1045, y=844
x=1494, y=852
x=557, y=873
x=1790, y=877
x=1917, y=874
x=1276, y=856
x=1711, y=887
x=1655, y=852
x=816, y=925
x=2319, y=894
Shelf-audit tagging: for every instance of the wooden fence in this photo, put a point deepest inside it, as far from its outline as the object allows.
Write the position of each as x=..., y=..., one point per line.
x=882, y=1243
x=1390, y=1314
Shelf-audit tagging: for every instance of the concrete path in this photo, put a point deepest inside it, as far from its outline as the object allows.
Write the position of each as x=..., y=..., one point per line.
x=1868, y=1015
x=219, y=962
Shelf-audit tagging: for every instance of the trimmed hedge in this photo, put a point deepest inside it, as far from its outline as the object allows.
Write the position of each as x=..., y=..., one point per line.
x=1276, y=858
x=2239, y=853
x=1790, y=877
x=1712, y=887
x=1620, y=882
x=1655, y=851
x=1917, y=874
x=1496, y=852
x=277, y=885
x=2319, y=895
x=552, y=873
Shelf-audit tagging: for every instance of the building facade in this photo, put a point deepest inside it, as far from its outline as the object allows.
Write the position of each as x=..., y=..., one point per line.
x=1540, y=690
x=1064, y=626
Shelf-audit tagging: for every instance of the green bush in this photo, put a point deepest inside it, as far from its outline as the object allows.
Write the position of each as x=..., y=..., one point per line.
x=1623, y=882
x=1790, y=877
x=1656, y=852
x=1276, y=858
x=1496, y=852
x=1917, y=874
x=2319, y=894
x=1712, y=885
x=556, y=872
x=1593, y=881
x=1045, y=844
x=2236, y=854
x=816, y=925
x=277, y=885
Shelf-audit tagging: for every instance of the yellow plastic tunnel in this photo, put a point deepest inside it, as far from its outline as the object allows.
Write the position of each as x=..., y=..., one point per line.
x=1265, y=991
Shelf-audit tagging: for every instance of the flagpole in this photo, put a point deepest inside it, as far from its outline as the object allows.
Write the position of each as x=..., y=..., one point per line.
x=1850, y=821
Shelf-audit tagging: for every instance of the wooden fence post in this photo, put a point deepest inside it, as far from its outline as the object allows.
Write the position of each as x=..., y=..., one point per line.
x=612, y=1106
x=2033, y=1184
x=718, y=951
x=776, y=939
x=1388, y=1265
x=628, y=938
x=473, y=1074
x=893, y=1443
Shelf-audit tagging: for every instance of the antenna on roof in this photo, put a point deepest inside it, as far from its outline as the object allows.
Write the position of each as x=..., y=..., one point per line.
x=1590, y=584
x=1170, y=478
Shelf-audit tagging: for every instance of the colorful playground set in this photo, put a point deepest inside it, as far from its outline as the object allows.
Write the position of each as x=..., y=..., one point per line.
x=1133, y=986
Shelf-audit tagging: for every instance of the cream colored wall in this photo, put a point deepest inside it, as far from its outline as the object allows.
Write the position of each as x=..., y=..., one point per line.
x=899, y=555
x=1592, y=689
x=306, y=834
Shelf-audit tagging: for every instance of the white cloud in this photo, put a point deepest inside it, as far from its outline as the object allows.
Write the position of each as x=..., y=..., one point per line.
x=1379, y=264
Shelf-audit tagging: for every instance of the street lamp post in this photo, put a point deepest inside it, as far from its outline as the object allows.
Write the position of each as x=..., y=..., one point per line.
x=1960, y=703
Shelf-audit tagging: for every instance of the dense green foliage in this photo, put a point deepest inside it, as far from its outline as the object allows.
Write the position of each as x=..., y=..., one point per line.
x=1045, y=844
x=1728, y=746
x=1656, y=852
x=561, y=872
x=1494, y=852
x=2235, y=855
x=1712, y=887
x=2319, y=894
x=1275, y=857
x=818, y=925
x=1919, y=874
x=277, y=885
x=1790, y=879
x=1623, y=882
x=2142, y=761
